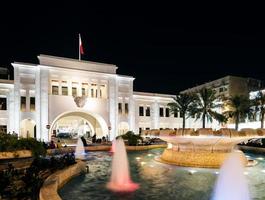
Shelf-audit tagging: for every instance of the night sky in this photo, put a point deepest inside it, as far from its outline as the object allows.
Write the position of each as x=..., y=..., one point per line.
x=167, y=48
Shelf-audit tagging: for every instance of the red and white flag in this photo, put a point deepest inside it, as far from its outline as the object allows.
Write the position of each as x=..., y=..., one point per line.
x=81, y=50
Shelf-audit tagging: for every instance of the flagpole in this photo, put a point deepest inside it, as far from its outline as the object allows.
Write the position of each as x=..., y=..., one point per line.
x=79, y=47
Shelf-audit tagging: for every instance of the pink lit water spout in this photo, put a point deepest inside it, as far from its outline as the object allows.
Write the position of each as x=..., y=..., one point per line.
x=112, y=149
x=120, y=180
x=231, y=183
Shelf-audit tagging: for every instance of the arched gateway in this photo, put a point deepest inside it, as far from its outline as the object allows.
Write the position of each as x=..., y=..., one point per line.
x=78, y=123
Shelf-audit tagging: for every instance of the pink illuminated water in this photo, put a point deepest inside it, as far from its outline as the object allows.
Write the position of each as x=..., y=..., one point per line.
x=120, y=180
x=232, y=183
x=112, y=149
x=80, y=150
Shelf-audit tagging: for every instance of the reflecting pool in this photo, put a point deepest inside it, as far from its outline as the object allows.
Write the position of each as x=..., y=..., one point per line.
x=157, y=180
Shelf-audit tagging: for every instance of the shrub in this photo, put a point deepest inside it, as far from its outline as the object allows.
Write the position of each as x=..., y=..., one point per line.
x=10, y=142
x=131, y=138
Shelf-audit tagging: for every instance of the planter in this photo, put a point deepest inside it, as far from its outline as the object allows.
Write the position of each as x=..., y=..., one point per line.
x=15, y=154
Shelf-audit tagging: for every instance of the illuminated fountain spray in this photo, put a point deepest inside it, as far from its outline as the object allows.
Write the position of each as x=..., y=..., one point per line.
x=120, y=180
x=113, y=146
x=231, y=182
x=80, y=150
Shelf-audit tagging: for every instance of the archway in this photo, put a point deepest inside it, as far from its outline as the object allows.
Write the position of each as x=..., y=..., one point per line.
x=78, y=123
x=123, y=128
x=28, y=128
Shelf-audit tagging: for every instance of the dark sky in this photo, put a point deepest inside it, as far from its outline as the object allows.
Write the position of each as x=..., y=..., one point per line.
x=166, y=47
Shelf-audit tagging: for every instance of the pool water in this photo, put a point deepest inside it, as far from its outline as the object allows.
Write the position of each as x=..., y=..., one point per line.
x=157, y=180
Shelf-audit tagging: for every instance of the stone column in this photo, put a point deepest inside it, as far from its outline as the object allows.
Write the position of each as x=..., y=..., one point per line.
x=59, y=87
x=11, y=111
x=44, y=102
x=27, y=100
x=37, y=103
x=131, y=109
x=113, y=106
x=154, y=115
x=16, y=114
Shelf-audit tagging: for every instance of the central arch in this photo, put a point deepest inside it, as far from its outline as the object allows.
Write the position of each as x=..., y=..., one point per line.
x=95, y=122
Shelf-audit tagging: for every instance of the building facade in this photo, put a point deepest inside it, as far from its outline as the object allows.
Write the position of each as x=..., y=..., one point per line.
x=61, y=95
x=67, y=96
x=230, y=85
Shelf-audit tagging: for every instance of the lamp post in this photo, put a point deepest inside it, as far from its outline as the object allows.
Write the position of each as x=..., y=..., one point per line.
x=109, y=131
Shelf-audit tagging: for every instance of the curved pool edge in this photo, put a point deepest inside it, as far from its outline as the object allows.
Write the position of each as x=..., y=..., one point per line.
x=56, y=180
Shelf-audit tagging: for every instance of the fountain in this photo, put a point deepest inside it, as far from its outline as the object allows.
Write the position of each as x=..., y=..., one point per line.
x=199, y=151
x=80, y=150
x=120, y=180
x=112, y=149
x=232, y=183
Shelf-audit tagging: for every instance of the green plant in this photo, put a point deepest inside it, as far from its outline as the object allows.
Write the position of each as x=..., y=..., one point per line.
x=11, y=143
x=205, y=106
x=182, y=104
x=132, y=139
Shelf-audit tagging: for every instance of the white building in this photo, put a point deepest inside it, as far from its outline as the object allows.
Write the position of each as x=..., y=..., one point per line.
x=66, y=95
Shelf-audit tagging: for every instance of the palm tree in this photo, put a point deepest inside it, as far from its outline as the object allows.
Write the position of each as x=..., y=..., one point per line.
x=182, y=104
x=259, y=106
x=238, y=107
x=205, y=105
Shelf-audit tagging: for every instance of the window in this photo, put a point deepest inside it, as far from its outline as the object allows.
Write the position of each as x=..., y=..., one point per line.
x=120, y=108
x=2, y=103
x=23, y=104
x=55, y=90
x=32, y=104
x=64, y=90
x=180, y=114
x=92, y=93
x=83, y=91
x=96, y=93
x=147, y=128
x=140, y=130
x=147, y=111
x=176, y=114
x=126, y=108
x=161, y=112
x=3, y=129
x=74, y=91
x=167, y=112
x=141, y=111
x=221, y=89
x=100, y=93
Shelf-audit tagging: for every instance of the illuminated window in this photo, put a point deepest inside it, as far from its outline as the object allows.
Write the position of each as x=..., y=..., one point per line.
x=120, y=108
x=74, y=91
x=23, y=104
x=32, y=104
x=147, y=111
x=126, y=108
x=141, y=111
x=64, y=90
x=161, y=112
x=55, y=90
x=2, y=103
x=83, y=91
